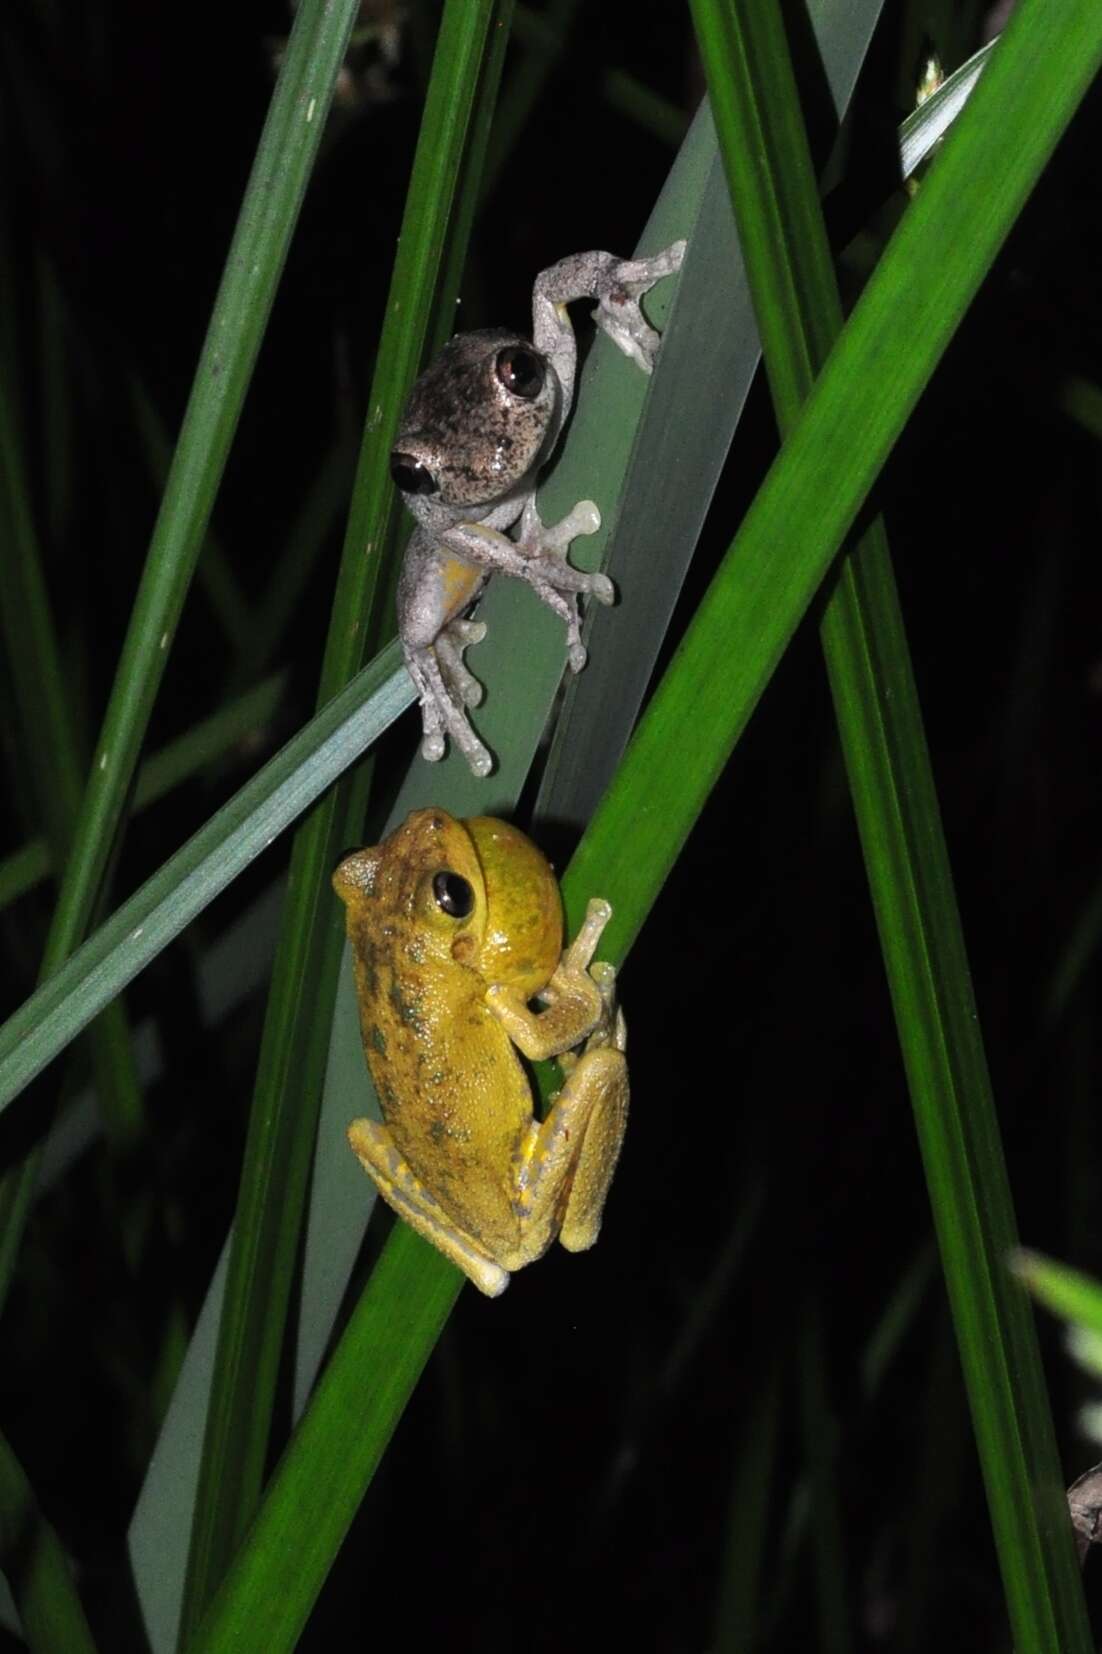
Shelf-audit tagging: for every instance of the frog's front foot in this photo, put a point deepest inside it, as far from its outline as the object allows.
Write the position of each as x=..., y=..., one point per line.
x=445, y=689
x=554, y=580
x=619, y=289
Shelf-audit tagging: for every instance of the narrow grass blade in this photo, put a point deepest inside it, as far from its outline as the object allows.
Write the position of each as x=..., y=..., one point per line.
x=737, y=1624
x=274, y=1580
x=295, y=563
x=860, y=402
x=925, y=127
x=253, y=267
x=820, y=1448
x=214, y=573
x=758, y=115
x=50, y=1611
x=1075, y=957
x=49, y=749
x=31, y=645
x=210, y=739
x=1066, y=1292
x=256, y=257
x=275, y=1175
x=543, y=36
x=212, y=859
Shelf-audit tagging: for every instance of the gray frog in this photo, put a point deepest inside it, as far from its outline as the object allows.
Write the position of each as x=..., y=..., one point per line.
x=478, y=426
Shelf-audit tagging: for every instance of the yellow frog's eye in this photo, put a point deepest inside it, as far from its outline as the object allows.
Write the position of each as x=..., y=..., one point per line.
x=453, y=894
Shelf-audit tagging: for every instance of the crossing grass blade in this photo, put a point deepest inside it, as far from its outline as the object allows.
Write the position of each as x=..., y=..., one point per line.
x=205, y=743
x=255, y=261
x=775, y=197
x=37, y=1569
x=287, y=785
x=875, y=374
x=253, y=267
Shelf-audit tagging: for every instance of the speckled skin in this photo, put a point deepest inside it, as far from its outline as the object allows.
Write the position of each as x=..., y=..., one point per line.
x=443, y=1002
x=475, y=446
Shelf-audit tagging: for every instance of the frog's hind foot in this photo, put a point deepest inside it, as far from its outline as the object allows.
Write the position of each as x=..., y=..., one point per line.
x=406, y=1194
x=445, y=689
x=449, y=644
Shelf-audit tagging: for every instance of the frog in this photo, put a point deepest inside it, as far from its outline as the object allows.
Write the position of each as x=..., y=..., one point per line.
x=478, y=427
x=455, y=930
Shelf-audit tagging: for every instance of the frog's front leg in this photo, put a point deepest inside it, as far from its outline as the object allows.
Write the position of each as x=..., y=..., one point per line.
x=407, y=1195
x=580, y=997
x=538, y=556
x=567, y=1163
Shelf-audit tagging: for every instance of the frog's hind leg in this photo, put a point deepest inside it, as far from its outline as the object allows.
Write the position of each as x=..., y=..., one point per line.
x=406, y=1194
x=605, y=1067
x=442, y=704
x=571, y=1157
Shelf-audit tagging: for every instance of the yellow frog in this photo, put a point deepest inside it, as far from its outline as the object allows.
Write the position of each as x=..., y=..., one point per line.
x=455, y=926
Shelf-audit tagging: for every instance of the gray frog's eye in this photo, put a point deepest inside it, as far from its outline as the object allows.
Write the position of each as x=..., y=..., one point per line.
x=453, y=894
x=521, y=371
x=412, y=475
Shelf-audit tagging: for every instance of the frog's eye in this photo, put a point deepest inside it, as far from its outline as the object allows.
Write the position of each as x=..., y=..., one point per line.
x=453, y=894
x=411, y=475
x=521, y=371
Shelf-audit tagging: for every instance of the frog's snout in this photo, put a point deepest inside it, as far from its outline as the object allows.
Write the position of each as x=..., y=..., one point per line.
x=355, y=874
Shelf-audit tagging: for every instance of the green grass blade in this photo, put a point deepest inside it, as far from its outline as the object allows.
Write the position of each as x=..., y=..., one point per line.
x=257, y=253
x=253, y=267
x=542, y=36
x=821, y=1468
x=1068, y=1293
x=23, y=869
x=214, y=573
x=31, y=645
x=174, y=763
x=37, y=1569
x=925, y=126
x=1079, y=949
x=736, y=1624
x=49, y=744
x=239, y=832
x=872, y=380
x=295, y=562
x=275, y=1577
x=275, y=1175
x=799, y=310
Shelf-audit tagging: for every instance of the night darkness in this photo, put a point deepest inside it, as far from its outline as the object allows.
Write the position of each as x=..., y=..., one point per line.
x=565, y=1474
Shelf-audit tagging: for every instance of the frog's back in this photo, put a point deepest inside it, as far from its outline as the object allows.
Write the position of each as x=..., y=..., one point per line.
x=451, y=1087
